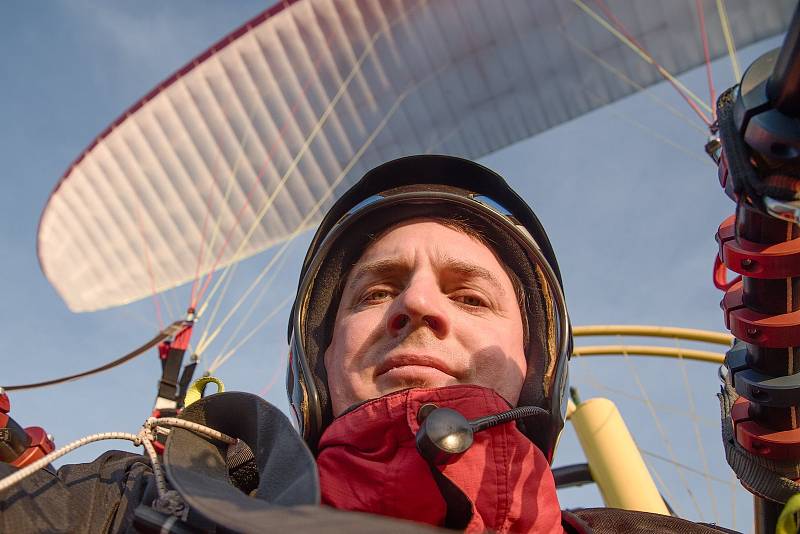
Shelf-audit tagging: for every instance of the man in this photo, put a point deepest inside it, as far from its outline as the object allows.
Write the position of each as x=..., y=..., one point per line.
x=431, y=272
x=427, y=375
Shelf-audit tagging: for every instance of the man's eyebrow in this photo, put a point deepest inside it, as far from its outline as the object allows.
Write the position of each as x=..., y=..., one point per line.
x=463, y=269
x=377, y=268
x=471, y=271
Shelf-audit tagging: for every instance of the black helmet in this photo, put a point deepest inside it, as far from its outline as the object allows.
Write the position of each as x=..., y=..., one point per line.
x=416, y=186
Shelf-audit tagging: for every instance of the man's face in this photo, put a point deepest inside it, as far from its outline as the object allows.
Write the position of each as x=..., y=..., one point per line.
x=425, y=306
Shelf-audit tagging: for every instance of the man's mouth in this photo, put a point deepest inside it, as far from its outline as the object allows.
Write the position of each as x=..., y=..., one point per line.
x=401, y=365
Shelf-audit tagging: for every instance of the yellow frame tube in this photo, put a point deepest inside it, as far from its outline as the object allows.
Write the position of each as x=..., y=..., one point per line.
x=647, y=350
x=690, y=334
x=614, y=460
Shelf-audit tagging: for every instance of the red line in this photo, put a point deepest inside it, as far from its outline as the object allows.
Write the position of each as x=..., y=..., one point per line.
x=270, y=152
x=704, y=38
x=273, y=379
x=215, y=175
x=621, y=28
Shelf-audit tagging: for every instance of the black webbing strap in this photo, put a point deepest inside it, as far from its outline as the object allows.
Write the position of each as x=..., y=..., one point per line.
x=168, y=332
x=185, y=381
x=170, y=368
x=746, y=180
x=171, y=362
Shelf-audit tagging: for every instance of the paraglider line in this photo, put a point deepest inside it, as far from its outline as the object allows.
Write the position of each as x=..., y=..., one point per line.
x=313, y=211
x=696, y=429
x=620, y=32
x=202, y=248
x=659, y=137
x=242, y=143
x=270, y=153
x=272, y=381
x=209, y=336
x=222, y=358
x=203, y=342
x=320, y=202
x=704, y=38
x=726, y=32
x=264, y=289
x=706, y=475
x=684, y=92
x=661, y=431
x=368, y=50
x=666, y=105
x=705, y=422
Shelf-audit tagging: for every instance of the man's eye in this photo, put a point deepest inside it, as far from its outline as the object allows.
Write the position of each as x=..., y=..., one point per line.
x=376, y=295
x=470, y=300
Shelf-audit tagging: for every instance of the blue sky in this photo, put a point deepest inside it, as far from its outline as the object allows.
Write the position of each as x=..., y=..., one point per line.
x=629, y=199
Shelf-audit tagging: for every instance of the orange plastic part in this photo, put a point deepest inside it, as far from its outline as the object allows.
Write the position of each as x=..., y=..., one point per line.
x=773, y=331
x=41, y=445
x=762, y=441
x=757, y=260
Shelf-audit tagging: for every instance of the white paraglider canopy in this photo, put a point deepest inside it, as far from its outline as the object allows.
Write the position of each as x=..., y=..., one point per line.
x=249, y=143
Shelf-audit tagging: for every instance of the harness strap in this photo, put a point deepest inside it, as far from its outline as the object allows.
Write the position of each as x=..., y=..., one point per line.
x=171, y=354
x=164, y=334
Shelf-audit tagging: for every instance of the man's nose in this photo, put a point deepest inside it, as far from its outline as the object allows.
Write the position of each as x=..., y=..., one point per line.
x=421, y=304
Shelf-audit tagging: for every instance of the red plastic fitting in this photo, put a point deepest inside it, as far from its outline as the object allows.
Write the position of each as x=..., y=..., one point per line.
x=773, y=331
x=41, y=445
x=779, y=445
x=756, y=260
x=5, y=403
x=5, y=407
x=761, y=261
x=163, y=350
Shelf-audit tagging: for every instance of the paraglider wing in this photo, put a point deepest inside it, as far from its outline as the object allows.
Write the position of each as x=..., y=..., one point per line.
x=250, y=142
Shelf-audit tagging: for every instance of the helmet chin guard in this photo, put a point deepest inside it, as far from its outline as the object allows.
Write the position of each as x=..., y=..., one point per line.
x=415, y=187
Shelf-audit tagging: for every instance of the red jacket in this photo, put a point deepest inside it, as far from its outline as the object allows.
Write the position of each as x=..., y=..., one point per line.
x=368, y=462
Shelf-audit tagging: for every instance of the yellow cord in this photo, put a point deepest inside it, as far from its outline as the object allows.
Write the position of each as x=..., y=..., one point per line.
x=787, y=521
x=726, y=31
x=644, y=55
x=198, y=387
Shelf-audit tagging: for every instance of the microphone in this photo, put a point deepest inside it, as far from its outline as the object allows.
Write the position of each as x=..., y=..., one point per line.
x=445, y=433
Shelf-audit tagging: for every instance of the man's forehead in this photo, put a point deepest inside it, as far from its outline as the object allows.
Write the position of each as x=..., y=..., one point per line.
x=448, y=249
x=437, y=238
